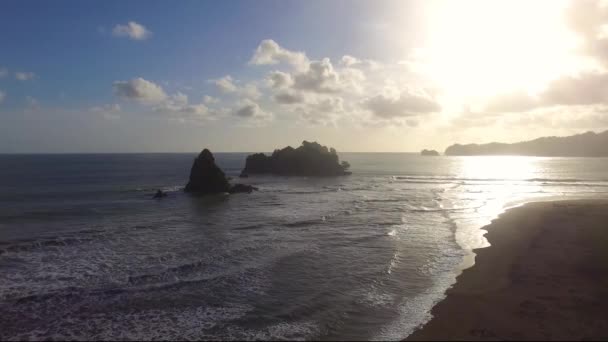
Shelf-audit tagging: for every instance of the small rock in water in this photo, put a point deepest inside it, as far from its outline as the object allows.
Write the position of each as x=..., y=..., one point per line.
x=242, y=188
x=160, y=194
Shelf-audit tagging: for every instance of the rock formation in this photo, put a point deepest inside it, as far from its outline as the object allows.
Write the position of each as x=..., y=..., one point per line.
x=242, y=188
x=310, y=159
x=160, y=194
x=206, y=177
x=429, y=153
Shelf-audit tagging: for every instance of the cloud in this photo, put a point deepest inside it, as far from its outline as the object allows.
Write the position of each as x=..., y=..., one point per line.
x=352, y=62
x=24, y=75
x=173, y=103
x=408, y=103
x=320, y=77
x=179, y=103
x=2, y=96
x=140, y=90
x=517, y=101
x=588, y=88
x=250, y=90
x=320, y=92
x=251, y=110
x=589, y=18
x=228, y=85
x=225, y=84
x=585, y=88
x=199, y=109
x=323, y=110
x=279, y=80
x=3, y=72
x=289, y=97
x=131, y=30
x=269, y=52
x=210, y=99
x=176, y=106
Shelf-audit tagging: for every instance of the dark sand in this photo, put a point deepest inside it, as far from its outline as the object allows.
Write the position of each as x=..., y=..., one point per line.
x=545, y=277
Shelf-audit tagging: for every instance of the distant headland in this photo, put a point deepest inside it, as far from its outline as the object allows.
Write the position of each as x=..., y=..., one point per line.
x=310, y=159
x=588, y=144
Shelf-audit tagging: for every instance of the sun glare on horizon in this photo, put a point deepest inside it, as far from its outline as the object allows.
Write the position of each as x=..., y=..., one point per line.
x=482, y=48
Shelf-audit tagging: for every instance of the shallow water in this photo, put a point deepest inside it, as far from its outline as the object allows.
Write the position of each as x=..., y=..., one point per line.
x=85, y=253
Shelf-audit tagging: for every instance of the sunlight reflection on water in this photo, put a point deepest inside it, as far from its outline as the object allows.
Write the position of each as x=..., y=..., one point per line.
x=498, y=182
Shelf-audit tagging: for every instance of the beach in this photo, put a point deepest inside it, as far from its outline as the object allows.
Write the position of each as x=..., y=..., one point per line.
x=544, y=277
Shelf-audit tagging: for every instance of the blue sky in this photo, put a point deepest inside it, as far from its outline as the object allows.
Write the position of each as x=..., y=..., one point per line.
x=145, y=76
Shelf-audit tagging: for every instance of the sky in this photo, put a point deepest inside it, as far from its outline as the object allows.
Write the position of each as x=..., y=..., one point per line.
x=369, y=76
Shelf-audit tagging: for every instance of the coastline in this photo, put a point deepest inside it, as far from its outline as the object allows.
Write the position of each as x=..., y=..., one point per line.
x=545, y=276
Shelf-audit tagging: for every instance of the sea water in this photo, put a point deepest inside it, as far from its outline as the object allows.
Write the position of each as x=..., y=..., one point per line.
x=86, y=253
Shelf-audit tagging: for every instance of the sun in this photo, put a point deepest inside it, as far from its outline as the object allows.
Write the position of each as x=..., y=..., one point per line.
x=482, y=48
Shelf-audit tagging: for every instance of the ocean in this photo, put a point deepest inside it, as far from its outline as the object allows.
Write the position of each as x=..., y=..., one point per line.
x=86, y=253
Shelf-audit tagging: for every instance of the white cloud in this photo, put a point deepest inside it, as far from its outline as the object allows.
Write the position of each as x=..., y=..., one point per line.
x=225, y=84
x=278, y=79
x=250, y=91
x=320, y=77
x=210, y=99
x=176, y=106
x=2, y=96
x=351, y=62
x=228, y=85
x=132, y=30
x=269, y=52
x=3, y=72
x=178, y=103
x=140, y=90
x=321, y=93
x=24, y=75
x=179, y=99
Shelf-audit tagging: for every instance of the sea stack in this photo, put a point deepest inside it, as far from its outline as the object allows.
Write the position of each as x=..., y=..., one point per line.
x=207, y=178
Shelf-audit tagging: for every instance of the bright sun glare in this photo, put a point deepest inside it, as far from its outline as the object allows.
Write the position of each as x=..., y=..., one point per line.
x=482, y=48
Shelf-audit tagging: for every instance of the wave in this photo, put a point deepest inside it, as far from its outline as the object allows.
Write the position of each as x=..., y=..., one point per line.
x=248, y=227
x=29, y=246
x=305, y=223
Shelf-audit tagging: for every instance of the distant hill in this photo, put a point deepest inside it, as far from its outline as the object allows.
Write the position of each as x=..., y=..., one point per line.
x=587, y=144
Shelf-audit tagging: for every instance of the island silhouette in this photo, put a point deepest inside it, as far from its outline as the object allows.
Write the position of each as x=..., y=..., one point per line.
x=309, y=159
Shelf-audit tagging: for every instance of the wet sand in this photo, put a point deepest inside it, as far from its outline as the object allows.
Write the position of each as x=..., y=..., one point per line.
x=544, y=277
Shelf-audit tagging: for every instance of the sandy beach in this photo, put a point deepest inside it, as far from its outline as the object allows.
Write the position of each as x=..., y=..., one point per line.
x=544, y=277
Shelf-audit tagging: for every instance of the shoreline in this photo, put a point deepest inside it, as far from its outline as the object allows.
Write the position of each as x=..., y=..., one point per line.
x=545, y=276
